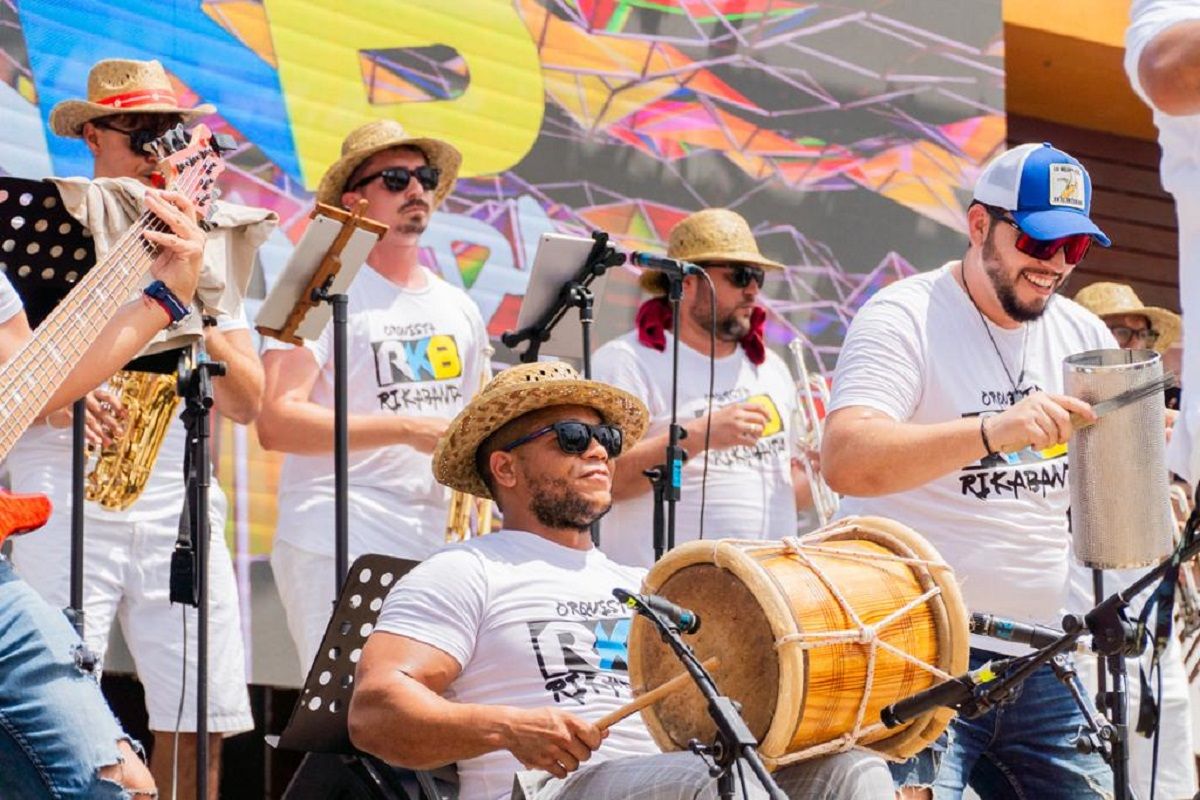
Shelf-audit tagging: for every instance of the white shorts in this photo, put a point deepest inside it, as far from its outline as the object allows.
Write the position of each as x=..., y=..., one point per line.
x=306, y=586
x=127, y=572
x=1176, y=766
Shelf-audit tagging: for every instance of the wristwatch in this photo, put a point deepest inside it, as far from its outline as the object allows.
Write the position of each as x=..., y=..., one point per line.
x=176, y=310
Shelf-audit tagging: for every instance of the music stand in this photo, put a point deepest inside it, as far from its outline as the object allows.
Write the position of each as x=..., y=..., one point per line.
x=318, y=723
x=312, y=287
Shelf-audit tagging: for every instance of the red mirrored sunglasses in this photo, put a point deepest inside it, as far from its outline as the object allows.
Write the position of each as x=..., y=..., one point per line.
x=1074, y=247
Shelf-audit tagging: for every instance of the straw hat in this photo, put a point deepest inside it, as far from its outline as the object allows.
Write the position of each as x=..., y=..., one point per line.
x=519, y=390
x=122, y=86
x=1105, y=299
x=714, y=234
x=375, y=137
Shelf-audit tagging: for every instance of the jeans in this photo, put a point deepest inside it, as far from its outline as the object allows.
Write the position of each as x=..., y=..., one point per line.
x=1020, y=749
x=56, y=731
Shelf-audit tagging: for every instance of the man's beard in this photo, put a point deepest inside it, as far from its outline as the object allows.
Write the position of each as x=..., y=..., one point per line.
x=556, y=506
x=1006, y=290
x=730, y=327
x=409, y=226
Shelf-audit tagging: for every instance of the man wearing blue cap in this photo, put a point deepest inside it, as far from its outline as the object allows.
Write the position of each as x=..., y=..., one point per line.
x=948, y=415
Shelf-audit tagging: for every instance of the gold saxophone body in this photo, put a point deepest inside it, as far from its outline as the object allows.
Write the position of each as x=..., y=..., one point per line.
x=470, y=515
x=122, y=468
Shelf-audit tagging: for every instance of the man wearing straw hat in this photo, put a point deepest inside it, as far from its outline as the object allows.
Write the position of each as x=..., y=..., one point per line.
x=416, y=353
x=1136, y=325
x=127, y=564
x=948, y=415
x=501, y=654
x=753, y=485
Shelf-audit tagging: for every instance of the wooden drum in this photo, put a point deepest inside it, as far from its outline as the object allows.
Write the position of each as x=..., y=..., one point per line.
x=815, y=636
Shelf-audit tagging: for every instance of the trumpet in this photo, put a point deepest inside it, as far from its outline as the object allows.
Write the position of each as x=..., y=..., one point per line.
x=467, y=508
x=808, y=426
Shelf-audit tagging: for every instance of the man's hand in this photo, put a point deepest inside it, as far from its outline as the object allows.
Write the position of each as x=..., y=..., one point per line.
x=104, y=421
x=424, y=433
x=1039, y=421
x=551, y=740
x=738, y=424
x=182, y=249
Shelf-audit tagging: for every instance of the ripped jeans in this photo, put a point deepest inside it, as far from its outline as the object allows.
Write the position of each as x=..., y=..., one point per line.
x=56, y=731
x=1021, y=749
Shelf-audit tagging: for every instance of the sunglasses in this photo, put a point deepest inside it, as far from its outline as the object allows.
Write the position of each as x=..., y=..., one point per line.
x=1125, y=336
x=740, y=275
x=1074, y=247
x=139, y=138
x=574, y=438
x=396, y=179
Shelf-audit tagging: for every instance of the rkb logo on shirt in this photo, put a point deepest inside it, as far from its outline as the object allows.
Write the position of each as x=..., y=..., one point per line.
x=429, y=358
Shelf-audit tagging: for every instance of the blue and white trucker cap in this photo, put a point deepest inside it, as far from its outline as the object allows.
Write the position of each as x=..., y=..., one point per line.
x=1048, y=192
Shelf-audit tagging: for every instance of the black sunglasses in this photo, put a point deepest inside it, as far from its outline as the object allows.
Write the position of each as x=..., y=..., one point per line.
x=740, y=275
x=574, y=438
x=395, y=179
x=139, y=138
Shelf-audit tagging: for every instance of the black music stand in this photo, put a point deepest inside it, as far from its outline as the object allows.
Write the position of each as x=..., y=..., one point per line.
x=318, y=724
x=44, y=251
x=324, y=263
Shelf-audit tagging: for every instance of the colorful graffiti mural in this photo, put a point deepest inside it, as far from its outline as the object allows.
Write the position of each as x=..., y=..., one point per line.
x=847, y=132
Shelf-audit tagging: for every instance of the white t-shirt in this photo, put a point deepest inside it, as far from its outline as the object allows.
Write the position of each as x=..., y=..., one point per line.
x=750, y=493
x=533, y=624
x=41, y=462
x=417, y=353
x=10, y=301
x=918, y=352
x=1180, y=140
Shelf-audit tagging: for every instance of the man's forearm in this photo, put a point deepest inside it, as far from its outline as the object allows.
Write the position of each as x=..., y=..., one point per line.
x=1169, y=70
x=409, y=725
x=867, y=457
x=238, y=393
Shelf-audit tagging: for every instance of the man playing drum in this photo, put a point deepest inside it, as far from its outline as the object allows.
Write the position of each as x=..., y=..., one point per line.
x=502, y=653
x=947, y=415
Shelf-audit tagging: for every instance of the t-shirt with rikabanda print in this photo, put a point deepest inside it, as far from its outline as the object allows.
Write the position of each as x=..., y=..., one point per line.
x=919, y=352
x=411, y=353
x=533, y=624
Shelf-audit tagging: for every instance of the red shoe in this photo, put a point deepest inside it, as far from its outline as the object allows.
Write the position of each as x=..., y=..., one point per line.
x=22, y=513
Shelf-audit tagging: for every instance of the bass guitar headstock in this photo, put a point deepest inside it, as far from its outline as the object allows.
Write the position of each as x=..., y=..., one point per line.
x=190, y=161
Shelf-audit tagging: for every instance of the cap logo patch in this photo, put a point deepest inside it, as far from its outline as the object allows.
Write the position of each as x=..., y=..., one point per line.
x=1066, y=186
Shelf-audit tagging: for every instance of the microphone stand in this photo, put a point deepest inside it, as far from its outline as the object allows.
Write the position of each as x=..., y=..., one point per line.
x=195, y=385
x=1112, y=635
x=672, y=468
x=84, y=657
x=734, y=738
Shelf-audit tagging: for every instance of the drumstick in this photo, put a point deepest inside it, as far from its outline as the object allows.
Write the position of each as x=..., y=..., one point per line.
x=653, y=696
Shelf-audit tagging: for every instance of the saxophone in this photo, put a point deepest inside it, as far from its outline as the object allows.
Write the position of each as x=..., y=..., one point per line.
x=122, y=468
x=467, y=507
x=809, y=426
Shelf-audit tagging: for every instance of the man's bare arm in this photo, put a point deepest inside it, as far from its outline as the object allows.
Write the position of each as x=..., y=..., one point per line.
x=866, y=453
x=399, y=715
x=238, y=393
x=1169, y=70
x=290, y=422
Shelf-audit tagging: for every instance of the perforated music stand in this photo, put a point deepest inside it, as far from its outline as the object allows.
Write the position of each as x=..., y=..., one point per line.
x=318, y=724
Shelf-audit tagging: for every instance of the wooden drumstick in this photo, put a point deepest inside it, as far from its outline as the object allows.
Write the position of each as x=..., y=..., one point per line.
x=653, y=696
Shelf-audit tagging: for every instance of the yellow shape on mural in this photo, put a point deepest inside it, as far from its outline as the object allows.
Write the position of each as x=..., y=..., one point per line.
x=246, y=20
x=318, y=43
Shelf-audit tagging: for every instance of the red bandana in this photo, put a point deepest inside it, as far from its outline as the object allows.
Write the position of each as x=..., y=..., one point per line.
x=654, y=320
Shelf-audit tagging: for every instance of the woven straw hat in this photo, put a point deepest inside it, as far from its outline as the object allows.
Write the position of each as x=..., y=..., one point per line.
x=714, y=234
x=375, y=137
x=1106, y=299
x=122, y=86
x=519, y=390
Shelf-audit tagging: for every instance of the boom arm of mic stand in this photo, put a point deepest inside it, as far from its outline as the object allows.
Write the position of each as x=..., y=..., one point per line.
x=732, y=731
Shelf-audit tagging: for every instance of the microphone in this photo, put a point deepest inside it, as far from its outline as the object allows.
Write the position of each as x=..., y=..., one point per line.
x=671, y=266
x=686, y=620
x=1036, y=636
x=952, y=694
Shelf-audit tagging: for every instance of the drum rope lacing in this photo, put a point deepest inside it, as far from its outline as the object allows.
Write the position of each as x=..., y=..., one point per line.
x=863, y=634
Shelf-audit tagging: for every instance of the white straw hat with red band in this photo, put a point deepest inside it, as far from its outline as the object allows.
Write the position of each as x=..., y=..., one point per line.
x=122, y=86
